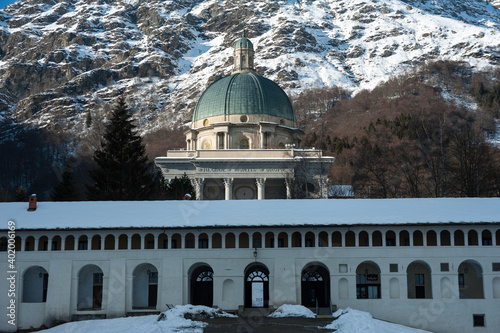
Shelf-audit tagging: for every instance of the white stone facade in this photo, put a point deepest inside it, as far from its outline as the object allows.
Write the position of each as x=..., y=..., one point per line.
x=388, y=256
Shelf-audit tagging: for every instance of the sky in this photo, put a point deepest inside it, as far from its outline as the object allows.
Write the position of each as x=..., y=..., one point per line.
x=4, y=3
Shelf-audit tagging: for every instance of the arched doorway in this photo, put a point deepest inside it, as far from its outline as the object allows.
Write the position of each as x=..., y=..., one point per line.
x=90, y=285
x=315, y=286
x=256, y=286
x=145, y=287
x=35, y=283
x=202, y=285
x=470, y=280
x=367, y=280
x=418, y=276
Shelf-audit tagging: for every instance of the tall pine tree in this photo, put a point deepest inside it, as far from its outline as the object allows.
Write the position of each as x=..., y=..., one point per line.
x=123, y=168
x=66, y=189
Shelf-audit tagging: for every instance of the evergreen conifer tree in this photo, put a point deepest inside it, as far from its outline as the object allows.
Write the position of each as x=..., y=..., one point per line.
x=123, y=168
x=179, y=187
x=21, y=194
x=66, y=189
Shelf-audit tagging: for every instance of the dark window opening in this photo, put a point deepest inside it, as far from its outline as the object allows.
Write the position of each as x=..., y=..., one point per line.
x=478, y=320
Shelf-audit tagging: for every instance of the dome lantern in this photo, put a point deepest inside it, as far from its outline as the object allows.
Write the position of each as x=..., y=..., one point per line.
x=243, y=54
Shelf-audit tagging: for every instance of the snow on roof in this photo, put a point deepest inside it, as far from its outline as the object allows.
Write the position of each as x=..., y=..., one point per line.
x=184, y=213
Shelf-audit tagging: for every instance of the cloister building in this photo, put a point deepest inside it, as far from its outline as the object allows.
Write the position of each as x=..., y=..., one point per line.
x=426, y=263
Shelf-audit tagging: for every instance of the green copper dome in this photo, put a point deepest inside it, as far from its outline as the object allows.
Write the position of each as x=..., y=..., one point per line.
x=243, y=43
x=244, y=93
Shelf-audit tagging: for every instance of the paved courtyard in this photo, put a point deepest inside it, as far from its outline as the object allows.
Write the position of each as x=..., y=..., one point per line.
x=267, y=325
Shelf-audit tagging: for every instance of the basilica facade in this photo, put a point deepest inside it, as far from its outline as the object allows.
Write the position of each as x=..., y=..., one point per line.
x=244, y=142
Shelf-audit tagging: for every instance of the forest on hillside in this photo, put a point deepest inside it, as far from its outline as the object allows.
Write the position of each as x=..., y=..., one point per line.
x=427, y=133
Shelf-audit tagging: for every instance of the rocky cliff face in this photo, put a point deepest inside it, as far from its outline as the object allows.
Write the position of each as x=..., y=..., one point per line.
x=63, y=60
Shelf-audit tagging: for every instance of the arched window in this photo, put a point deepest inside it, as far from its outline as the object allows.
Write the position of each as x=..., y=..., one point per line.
x=458, y=237
x=56, y=243
x=256, y=240
x=445, y=238
x=269, y=240
x=244, y=143
x=145, y=287
x=367, y=280
x=176, y=241
x=90, y=286
x=431, y=238
x=404, y=238
x=189, y=241
x=364, y=239
x=418, y=275
x=283, y=239
x=163, y=241
x=109, y=242
x=296, y=239
x=350, y=239
x=149, y=242
x=69, y=243
x=43, y=243
x=336, y=239
x=29, y=244
x=83, y=243
x=390, y=238
x=310, y=239
x=96, y=242
x=230, y=241
x=244, y=242
x=18, y=243
x=418, y=238
x=216, y=241
x=35, y=283
x=377, y=238
x=203, y=241
x=136, y=242
x=486, y=238
x=123, y=242
x=323, y=239
x=472, y=238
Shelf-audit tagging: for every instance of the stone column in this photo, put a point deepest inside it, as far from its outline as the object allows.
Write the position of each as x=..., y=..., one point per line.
x=261, y=188
x=288, y=184
x=228, y=186
x=198, y=187
x=323, y=194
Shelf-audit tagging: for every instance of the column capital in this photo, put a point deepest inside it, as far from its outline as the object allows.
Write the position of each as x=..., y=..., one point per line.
x=198, y=186
x=228, y=181
x=260, y=181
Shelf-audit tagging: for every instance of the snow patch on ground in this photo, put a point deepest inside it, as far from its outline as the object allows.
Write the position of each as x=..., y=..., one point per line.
x=355, y=321
x=171, y=321
x=290, y=310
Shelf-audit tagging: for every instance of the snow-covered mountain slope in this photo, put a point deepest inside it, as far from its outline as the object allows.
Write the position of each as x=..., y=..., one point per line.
x=61, y=60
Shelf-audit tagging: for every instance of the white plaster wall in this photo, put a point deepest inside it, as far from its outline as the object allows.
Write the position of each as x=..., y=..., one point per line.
x=285, y=265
